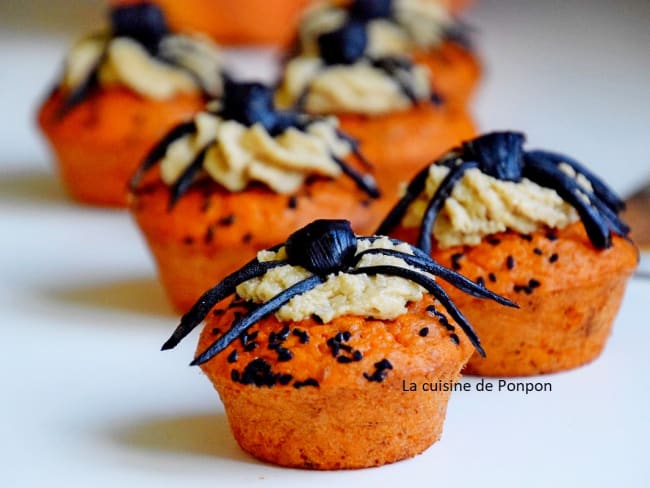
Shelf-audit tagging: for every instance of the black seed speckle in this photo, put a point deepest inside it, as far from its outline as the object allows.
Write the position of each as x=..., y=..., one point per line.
x=510, y=262
x=493, y=240
x=302, y=335
x=343, y=359
x=538, y=251
x=357, y=356
x=554, y=257
x=292, y=203
x=454, y=338
x=455, y=258
x=234, y=375
x=218, y=312
x=248, y=237
x=251, y=346
x=227, y=220
x=526, y=237
x=285, y=379
x=533, y=283
x=307, y=382
x=232, y=357
x=316, y=318
x=424, y=331
x=284, y=354
x=480, y=281
x=551, y=236
x=209, y=234
x=492, y=277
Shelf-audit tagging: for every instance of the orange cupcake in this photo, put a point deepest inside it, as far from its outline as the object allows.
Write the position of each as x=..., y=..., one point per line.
x=392, y=72
x=337, y=351
x=120, y=93
x=537, y=228
x=239, y=179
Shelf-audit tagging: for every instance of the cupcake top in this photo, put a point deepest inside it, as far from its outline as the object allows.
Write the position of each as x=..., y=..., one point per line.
x=491, y=185
x=242, y=140
x=139, y=52
x=357, y=59
x=323, y=272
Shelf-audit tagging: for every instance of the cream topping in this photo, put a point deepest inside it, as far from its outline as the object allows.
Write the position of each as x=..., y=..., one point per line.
x=415, y=24
x=238, y=155
x=481, y=205
x=358, y=88
x=381, y=297
x=184, y=65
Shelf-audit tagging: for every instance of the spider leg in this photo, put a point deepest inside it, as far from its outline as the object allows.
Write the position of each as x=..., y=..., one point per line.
x=354, y=144
x=213, y=296
x=159, y=150
x=605, y=193
x=364, y=182
x=437, y=201
x=432, y=287
x=413, y=190
x=257, y=314
x=182, y=184
x=546, y=174
x=450, y=276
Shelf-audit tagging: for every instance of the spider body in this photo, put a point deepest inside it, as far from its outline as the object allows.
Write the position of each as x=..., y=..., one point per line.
x=501, y=155
x=248, y=104
x=326, y=247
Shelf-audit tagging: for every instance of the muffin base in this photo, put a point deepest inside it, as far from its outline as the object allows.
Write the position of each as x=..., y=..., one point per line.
x=100, y=143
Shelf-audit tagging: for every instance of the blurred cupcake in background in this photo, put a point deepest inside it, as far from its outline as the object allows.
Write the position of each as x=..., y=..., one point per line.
x=120, y=91
x=398, y=75
x=240, y=177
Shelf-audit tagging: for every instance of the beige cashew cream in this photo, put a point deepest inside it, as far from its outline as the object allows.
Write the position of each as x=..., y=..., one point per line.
x=359, y=88
x=381, y=297
x=416, y=24
x=238, y=154
x=481, y=205
x=187, y=64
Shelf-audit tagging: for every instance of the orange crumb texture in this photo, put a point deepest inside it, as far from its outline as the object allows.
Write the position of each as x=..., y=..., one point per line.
x=569, y=293
x=100, y=142
x=346, y=421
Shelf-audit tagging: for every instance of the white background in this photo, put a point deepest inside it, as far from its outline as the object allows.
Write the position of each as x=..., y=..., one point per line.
x=87, y=399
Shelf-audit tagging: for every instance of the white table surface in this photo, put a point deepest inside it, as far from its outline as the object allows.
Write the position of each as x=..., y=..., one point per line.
x=87, y=399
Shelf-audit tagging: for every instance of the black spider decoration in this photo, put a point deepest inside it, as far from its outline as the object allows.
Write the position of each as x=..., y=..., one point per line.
x=502, y=156
x=324, y=247
x=248, y=104
x=142, y=22
x=347, y=45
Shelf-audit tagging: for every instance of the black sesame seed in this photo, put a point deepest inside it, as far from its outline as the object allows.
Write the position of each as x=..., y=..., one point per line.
x=493, y=240
x=551, y=236
x=510, y=262
x=227, y=220
x=232, y=357
x=526, y=237
x=216, y=331
x=383, y=364
x=292, y=203
x=316, y=318
x=339, y=337
x=357, y=356
x=307, y=382
x=480, y=281
x=424, y=331
x=234, y=375
x=346, y=335
x=258, y=372
x=284, y=333
x=302, y=335
x=218, y=312
x=538, y=251
x=454, y=338
x=284, y=354
x=285, y=379
x=209, y=234
x=554, y=257
x=431, y=309
x=335, y=346
x=344, y=359
x=248, y=237
x=533, y=283
x=251, y=346
x=455, y=258
x=492, y=277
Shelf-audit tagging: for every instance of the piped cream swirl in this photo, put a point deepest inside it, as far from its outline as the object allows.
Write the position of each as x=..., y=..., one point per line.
x=184, y=64
x=480, y=205
x=238, y=155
